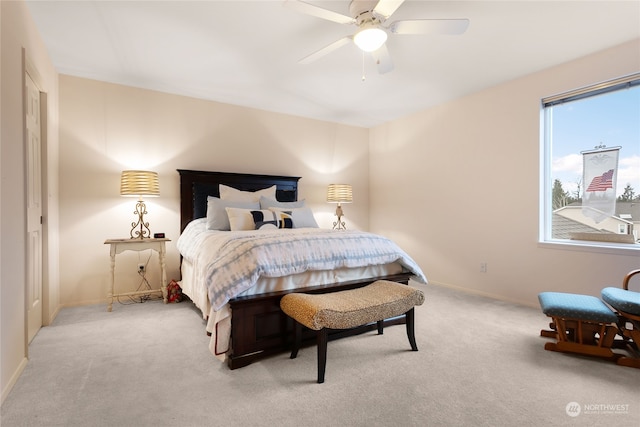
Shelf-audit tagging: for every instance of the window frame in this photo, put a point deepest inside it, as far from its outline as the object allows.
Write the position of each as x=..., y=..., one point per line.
x=545, y=238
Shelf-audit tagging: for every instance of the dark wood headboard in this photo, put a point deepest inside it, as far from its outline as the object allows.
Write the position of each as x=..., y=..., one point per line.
x=196, y=186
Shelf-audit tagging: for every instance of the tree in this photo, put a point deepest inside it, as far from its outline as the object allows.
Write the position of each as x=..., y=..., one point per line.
x=559, y=197
x=577, y=195
x=627, y=195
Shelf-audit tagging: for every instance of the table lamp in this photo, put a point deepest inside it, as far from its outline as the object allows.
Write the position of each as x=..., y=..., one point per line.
x=339, y=193
x=138, y=183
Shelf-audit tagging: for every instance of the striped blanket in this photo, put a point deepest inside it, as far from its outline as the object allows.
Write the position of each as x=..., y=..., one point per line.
x=235, y=260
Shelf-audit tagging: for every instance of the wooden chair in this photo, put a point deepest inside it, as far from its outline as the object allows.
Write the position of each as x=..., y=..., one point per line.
x=626, y=304
x=585, y=325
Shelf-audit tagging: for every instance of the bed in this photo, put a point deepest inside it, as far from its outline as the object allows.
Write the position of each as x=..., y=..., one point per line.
x=247, y=324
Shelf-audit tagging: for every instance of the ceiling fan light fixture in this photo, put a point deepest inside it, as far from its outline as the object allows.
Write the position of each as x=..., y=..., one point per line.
x=370, y=38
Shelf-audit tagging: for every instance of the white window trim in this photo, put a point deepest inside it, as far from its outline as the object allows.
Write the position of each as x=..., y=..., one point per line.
x=594, y=247
x=544, y=226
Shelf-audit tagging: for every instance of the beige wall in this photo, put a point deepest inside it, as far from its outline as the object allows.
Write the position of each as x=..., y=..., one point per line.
x=17, y=32
x=454, y=185
x=105, y=128
x=458, y=184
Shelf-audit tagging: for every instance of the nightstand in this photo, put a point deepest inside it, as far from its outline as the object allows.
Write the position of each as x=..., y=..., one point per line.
x=120, y=245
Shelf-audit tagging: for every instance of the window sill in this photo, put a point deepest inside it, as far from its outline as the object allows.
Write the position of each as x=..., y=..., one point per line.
x=631, y=249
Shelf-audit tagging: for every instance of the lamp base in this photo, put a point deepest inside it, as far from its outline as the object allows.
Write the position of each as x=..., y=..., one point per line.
x=143, y=231
x=339, y=224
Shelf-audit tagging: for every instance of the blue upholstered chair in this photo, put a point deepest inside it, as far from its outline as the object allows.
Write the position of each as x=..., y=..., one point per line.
x=584, y=324
x=626, y=303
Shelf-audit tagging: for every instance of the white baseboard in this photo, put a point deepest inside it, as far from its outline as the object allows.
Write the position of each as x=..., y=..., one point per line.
x=53, y=315
x=482, y=294
x=14, y=378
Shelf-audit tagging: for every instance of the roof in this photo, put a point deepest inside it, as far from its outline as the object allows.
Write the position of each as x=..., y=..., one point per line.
x=628, y=208
x=562, y=227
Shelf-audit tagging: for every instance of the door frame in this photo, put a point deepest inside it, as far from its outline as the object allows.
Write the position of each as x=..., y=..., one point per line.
x=29, y=68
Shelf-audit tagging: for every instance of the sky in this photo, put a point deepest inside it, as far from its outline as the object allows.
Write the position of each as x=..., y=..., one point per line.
x=612, y=120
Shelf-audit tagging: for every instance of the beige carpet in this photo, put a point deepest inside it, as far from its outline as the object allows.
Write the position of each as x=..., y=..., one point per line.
x=481, y=363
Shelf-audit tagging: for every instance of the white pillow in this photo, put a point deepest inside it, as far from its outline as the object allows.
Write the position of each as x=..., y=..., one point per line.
x=243, y=219
x=301, y=217
x=233, y=194
x=268, y=202
x=217, y=218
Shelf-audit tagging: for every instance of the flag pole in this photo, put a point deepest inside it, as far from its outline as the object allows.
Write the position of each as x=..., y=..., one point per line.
x=601, y=148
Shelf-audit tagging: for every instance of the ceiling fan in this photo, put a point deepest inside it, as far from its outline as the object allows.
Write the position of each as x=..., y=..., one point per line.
x=370, y=17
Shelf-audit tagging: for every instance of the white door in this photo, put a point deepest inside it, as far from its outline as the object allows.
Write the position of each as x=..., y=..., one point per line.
x=34, y=208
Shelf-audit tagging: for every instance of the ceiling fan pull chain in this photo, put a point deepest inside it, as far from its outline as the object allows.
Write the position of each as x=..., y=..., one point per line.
x=363, y=76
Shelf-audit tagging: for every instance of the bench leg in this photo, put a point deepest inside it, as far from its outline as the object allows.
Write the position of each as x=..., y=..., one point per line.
x=410, y=315
x=323, y=335
x=380, y=327
x=297, y=339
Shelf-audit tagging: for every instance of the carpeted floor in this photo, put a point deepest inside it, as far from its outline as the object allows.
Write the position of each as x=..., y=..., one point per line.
x=481, y=363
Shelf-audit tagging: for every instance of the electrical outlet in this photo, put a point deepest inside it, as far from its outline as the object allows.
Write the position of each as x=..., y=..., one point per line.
x=140, y=267
x=483, y=267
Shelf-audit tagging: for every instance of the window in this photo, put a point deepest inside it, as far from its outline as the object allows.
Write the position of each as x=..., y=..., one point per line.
x=591, y=166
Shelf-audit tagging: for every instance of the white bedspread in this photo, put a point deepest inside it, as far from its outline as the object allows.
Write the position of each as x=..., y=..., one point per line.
x=285, y=259
x=235, y=260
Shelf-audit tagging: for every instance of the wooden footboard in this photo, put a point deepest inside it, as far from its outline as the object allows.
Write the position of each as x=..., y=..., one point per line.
x=259, y=328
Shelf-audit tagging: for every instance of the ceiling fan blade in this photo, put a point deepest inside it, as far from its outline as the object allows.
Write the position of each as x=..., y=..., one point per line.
x=387, y=7
x=325, y=50
x=430, y=26
x=383, y=59
x=318, y=12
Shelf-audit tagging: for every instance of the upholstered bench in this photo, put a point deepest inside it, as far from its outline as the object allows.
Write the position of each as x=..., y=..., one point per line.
x=349, y=309
x=581, y=324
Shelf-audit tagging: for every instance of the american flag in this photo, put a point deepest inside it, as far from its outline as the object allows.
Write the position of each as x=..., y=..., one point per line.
x=602, y=182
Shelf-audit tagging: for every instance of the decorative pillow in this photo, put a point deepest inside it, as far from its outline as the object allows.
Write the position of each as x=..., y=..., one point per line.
x=284, y=219
x=264, y=219
x=217, y=218
x=302, y=217
x=268, y=202
x=243, y=219
x=233, y=194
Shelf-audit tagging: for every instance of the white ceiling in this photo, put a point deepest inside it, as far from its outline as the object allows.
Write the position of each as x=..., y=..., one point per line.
x=246, y=52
